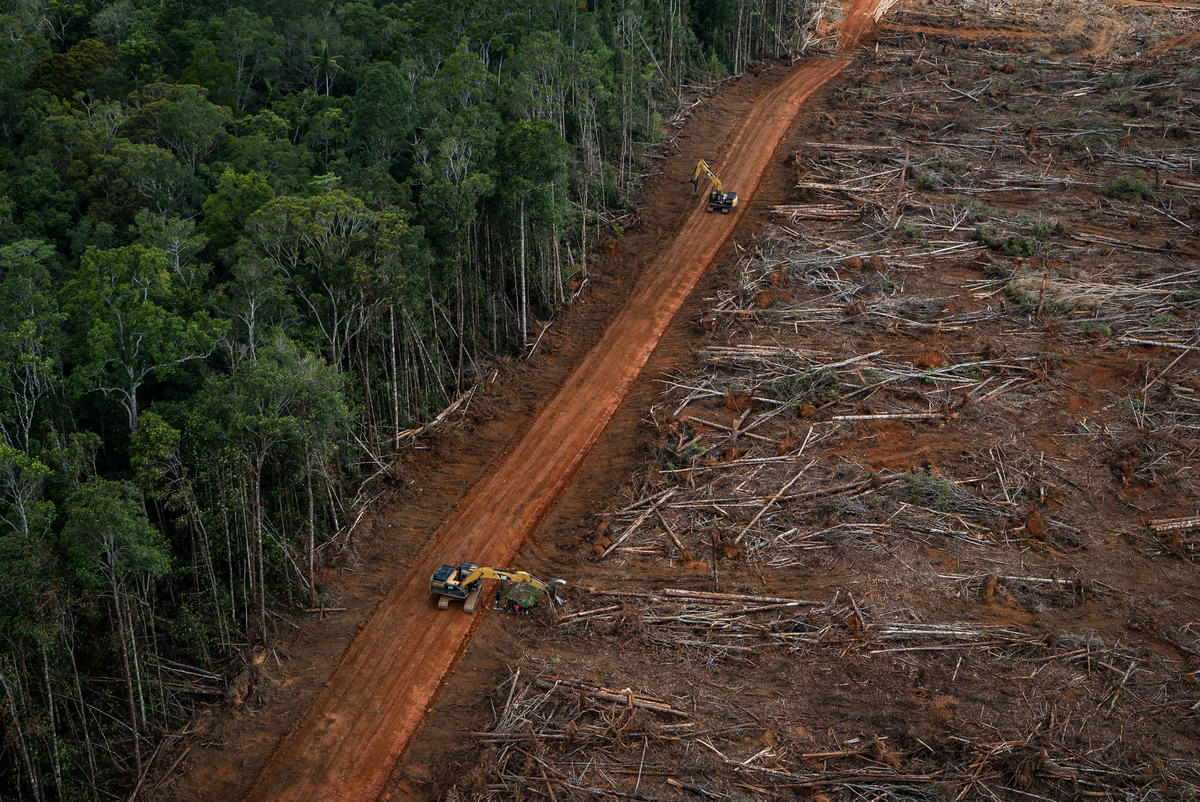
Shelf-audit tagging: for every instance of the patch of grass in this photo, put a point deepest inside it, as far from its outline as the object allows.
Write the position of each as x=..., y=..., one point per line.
x=1086, y=143
x=977, y=211
x=1121, y=104
x=1012, y=246
x=912, y=233
x=1088, y=327
x=1127, y=188
x=811, y=387
x=927, y=181
x=803, y=267
x=1042, y=229
x=678, y=451
x=1132, y=404
x=970, y=372
x=929, y=490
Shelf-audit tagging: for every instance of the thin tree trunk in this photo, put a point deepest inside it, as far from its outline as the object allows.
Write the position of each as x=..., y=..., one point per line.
x=558, y=288
x=137, y=663
x=16, y=719
x=523, y=312
x=57, y=761
x=458, y=291
x=118, y=613
x=87, y=737
x=395, y=381
x=364, y=340
x=258, y=534
x=312, y=528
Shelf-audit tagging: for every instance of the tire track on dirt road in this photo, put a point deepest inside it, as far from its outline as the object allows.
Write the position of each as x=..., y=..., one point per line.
x=345, y=746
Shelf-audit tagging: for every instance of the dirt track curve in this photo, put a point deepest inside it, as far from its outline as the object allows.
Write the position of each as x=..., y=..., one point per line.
x=346, y=744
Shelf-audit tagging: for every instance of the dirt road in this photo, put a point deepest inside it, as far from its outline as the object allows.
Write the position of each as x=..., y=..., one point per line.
x=347, y=743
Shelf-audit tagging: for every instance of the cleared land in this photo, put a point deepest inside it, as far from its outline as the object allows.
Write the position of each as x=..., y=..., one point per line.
x=920, y=518
x=345, y=745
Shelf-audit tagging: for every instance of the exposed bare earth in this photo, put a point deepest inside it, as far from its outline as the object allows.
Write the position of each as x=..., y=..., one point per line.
x=346, y=745
x=939, y=451
x=986, y=611
x=227, y=749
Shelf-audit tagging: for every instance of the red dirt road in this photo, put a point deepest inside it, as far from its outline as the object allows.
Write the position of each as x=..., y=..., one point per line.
x=345, y=746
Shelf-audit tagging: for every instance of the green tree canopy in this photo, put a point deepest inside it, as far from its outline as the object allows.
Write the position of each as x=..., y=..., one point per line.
x=122, y=304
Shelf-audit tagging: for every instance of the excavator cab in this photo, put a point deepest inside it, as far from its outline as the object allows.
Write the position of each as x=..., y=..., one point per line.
x=723, y=201
x=447, y=581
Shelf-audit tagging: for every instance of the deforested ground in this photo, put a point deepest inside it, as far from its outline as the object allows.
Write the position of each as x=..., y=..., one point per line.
x=919, y=518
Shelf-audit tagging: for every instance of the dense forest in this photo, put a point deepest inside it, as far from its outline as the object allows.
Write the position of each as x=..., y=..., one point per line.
x=243, y=245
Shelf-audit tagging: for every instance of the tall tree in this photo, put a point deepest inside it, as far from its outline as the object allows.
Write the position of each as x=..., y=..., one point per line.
x=30, y=338
x=284, y=401
x=110, y=545
x=122, y=304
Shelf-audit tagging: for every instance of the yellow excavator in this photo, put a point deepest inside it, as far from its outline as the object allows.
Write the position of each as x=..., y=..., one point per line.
x=718, y=198
x=465, y=581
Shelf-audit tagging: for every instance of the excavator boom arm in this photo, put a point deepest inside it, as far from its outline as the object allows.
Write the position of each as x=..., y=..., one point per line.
x=702, y=168
x=524, y=577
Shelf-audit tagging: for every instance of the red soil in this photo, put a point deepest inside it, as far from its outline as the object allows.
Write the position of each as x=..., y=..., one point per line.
x=344, y=747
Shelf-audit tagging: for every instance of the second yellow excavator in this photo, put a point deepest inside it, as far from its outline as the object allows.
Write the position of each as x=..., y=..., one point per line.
x=465, y=581
x=718, y=198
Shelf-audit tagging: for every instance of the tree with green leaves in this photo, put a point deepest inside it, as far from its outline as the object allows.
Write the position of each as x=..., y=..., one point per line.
x=30, y=338
x=284, y=401
x=252, y=46
x=382, y=118
x=123, y=305
x=180, y=119
x=532, y=156
x=110, y=546
x=225, y=211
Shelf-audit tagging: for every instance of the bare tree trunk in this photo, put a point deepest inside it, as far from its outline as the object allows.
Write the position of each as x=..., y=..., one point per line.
x=364, y=340
x=558, y=288
x=119, y=614
x=312, y=524
x=258, y=534
x=87, y=736
x=523, y=312
x=583, y=221
x=16, y=719
x=137, y=665
x=395, y=377
x=458, y=291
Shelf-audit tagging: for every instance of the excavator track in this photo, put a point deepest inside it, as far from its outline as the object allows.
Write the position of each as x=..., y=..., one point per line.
x=472, y=599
